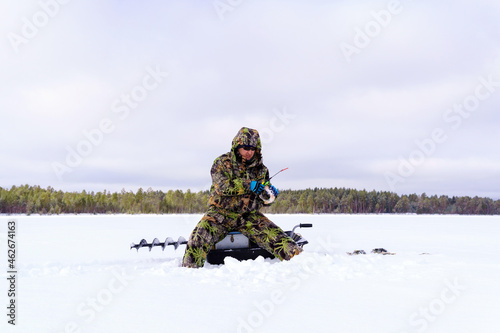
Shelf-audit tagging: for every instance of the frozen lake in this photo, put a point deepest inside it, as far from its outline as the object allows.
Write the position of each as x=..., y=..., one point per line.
x=77, y=274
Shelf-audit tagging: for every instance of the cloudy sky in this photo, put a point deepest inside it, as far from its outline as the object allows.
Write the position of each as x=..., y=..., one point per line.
x=387, y=95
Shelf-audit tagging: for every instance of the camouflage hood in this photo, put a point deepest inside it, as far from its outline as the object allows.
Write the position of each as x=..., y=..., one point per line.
x=247, y=137
x=231, y=178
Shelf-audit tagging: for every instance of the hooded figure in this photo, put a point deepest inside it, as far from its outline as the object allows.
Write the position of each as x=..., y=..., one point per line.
x=234, y=204
x=232, y=175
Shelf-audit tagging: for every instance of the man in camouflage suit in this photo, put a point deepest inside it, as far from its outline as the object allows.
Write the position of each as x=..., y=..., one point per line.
x=234, y=204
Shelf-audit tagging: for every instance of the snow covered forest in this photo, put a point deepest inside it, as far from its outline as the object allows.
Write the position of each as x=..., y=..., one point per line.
x=36, y=200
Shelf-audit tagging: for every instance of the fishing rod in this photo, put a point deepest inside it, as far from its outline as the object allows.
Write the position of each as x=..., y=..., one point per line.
x=278, y=173
x=265, y=183
x=267, y=195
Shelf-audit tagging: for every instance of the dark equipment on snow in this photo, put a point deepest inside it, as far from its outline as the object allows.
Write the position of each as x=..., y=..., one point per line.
x=382, y=251
x=356, y=252
x=376, y=251
x=235, y=245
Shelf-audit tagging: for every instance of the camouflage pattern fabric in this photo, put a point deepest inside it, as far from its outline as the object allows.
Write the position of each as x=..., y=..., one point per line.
x=214, y=226
x=231, y=176
x=234, y=207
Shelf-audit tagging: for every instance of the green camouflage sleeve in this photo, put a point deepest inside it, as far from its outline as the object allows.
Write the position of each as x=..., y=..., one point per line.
x=224, y=181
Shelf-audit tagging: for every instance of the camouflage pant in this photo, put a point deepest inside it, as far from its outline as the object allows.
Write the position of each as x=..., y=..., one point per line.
x=214, y=226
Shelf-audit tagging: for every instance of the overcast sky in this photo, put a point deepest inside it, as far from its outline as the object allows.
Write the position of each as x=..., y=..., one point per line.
x=378, y=95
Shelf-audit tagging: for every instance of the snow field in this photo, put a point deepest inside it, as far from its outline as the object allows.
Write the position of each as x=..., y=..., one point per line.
x=77, y=274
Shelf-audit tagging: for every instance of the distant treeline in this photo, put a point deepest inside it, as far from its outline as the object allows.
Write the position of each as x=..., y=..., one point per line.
x=36, y=200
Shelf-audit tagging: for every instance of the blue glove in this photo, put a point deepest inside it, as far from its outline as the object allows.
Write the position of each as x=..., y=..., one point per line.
x=274, y=189
x=256, y=186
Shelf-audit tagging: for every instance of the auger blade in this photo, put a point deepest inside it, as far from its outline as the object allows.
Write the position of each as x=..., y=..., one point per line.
x=180, y=241
x=142, y=243
x=168, y=241
x=156, y=242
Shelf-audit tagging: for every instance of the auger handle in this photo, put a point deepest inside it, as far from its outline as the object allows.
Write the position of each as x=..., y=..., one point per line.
x=302, y=225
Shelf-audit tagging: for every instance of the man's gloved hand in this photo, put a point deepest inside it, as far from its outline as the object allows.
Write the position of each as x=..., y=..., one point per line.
x=274, y=189
x=256, y=187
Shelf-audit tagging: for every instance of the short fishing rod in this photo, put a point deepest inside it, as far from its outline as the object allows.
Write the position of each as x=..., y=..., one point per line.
x=269, y=180
x=278, y=173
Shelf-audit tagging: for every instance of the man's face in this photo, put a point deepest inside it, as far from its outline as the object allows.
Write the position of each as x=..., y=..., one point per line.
x=247, y=153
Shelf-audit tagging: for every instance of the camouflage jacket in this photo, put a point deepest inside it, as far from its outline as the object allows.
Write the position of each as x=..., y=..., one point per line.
x=230, y=192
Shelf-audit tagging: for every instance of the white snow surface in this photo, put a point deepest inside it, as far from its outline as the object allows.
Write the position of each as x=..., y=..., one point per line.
x=76, y=273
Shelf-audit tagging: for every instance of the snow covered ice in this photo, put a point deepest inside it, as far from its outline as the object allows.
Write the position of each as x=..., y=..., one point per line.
x=76, y=273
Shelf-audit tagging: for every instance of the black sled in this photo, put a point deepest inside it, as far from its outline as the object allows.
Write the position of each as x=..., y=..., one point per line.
x=235, y=245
